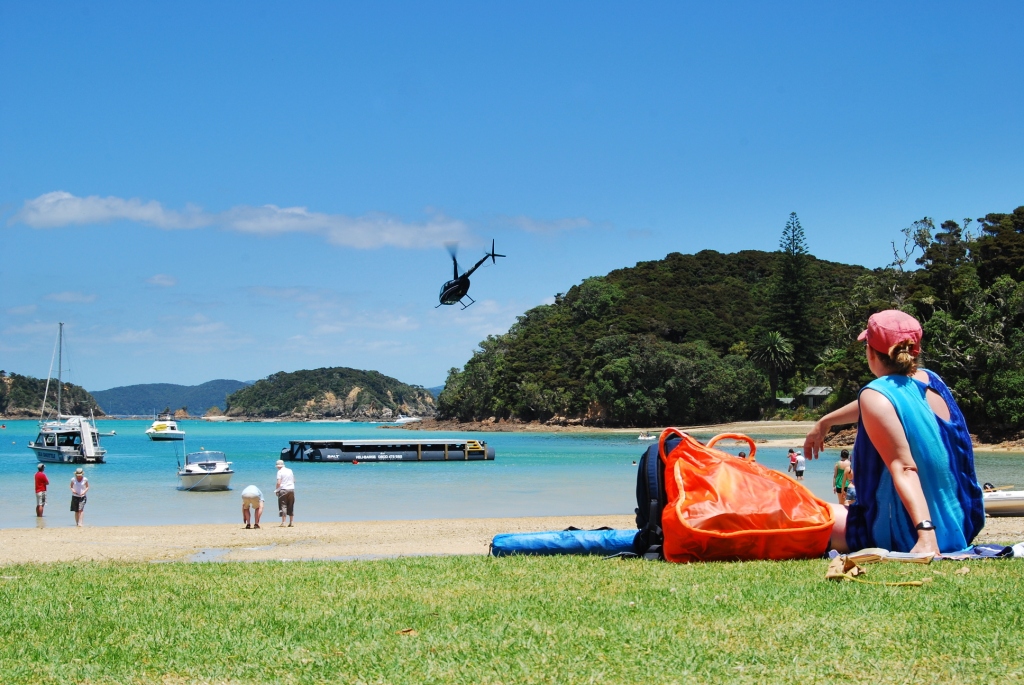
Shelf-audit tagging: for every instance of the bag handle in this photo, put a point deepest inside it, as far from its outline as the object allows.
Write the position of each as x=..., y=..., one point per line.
x=735, y=436
x=665, y=435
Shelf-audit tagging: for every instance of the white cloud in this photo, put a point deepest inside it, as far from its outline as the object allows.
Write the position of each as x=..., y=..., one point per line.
x=556, y=226
x=22, y=311
x=162, y=280
x=369, y=231
x=71, y=296
x=131, y=337
x=61, y=208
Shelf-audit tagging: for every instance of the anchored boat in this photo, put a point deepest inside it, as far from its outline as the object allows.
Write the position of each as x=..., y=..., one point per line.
x=68, y=439
x=204, y=471
x=165, y=428
x=432, y=449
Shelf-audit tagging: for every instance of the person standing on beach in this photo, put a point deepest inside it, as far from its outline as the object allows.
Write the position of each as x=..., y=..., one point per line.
x=79, y=489
x=285, y=491
x=799, y=466
x=252, y=498
x=841, y=475
x=41, y=482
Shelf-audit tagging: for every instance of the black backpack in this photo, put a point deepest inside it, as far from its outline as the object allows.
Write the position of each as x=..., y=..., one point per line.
x=650, y=500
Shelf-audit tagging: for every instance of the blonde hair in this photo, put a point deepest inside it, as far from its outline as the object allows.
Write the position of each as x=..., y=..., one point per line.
x=901, y=357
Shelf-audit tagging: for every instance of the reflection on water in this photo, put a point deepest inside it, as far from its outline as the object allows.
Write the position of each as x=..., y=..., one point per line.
x=535, y=474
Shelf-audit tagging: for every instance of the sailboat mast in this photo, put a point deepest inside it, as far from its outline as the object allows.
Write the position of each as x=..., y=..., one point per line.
x=60, y=367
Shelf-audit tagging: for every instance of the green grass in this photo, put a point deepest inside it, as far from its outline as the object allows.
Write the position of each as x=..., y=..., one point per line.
x=511, y=620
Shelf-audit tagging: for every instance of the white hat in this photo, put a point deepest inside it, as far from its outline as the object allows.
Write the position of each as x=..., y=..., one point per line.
x=280, y=462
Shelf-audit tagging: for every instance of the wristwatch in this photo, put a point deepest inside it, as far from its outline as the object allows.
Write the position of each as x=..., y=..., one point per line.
x=925, y=525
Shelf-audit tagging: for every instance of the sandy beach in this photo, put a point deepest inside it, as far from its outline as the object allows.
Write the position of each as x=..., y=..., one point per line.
x=229, y=542
x=309, y=541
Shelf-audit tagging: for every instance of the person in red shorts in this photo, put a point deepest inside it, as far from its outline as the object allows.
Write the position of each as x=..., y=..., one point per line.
x=41, y=482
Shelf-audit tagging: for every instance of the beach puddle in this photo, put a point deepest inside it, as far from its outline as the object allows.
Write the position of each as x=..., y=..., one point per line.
x=209, y=554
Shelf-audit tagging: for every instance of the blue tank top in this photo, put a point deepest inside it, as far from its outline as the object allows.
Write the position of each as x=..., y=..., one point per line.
x=945, y=464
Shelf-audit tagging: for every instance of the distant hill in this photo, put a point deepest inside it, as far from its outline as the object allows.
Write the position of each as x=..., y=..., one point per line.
x=666, y=342
x=21, y=396
x=149, y=397
x=436, y=391
x=331, y=393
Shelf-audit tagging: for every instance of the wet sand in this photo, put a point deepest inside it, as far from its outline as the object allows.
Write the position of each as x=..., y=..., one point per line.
x=308, y=541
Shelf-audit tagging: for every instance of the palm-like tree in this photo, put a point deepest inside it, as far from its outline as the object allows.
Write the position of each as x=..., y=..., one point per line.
x=773, y=353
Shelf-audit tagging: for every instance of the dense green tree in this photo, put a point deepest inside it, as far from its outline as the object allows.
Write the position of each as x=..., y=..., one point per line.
x=791, y=298
x=774, y=353
x=1000, y=247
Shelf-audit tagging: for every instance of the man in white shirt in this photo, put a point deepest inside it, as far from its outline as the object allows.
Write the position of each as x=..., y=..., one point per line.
x=801, y=464
x=79, y=488
x=285, y=491
x=252, y=498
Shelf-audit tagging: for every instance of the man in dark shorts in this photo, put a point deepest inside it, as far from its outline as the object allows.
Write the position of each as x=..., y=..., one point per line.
x=79, y=489
x=841, y=475
x=285, y=490
x=799, y=466
x=41, y=482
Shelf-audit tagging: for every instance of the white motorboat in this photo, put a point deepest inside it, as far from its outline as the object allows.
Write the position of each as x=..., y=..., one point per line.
x=1004, y=502
x=204, y=471
x=68, y=439
x=644, y=435
x=402, y=419
x=165, y=428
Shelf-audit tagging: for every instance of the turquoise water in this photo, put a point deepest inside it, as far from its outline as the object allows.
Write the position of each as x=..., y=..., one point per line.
x=534, y=474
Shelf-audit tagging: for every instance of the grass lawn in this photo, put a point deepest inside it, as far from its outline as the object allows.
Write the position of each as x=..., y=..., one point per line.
x=510, y=620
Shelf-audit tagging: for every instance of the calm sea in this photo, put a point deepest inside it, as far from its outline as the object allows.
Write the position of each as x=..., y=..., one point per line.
x=534, y=474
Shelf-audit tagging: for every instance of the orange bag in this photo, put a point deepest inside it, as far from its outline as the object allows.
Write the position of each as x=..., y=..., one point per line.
x=723, y=508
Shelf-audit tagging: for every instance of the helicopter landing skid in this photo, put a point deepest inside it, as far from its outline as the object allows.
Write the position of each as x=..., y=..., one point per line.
x=464, y=305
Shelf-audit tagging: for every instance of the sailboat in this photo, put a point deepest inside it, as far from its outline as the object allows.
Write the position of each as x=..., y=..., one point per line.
x=70, y=439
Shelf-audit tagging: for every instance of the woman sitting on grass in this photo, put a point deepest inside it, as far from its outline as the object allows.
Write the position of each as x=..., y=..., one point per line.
x=916, y=487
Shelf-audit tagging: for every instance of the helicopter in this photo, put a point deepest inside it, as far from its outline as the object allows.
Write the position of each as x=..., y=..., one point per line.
x=457, y=289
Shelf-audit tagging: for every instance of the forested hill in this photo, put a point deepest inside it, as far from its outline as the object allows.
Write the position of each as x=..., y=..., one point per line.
x=22, y=396
x=331, y=393
x=663, y=342
x=154, y=397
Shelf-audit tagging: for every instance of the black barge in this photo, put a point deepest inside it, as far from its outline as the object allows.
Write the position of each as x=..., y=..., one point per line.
x=382, y=450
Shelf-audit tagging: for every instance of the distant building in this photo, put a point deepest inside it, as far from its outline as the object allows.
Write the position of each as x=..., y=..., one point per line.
x=785, y=402
x=815, y=395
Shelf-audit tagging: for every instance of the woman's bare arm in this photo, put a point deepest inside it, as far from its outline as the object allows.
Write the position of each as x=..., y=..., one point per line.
x=814, y=443
x=887, y=435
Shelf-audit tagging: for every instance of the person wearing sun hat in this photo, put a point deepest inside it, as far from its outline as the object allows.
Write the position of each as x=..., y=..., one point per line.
x=917, y=490
x=79, y=489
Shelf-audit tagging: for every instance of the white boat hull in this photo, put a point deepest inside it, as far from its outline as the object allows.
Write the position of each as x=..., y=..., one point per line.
x=204, y=482
x=1006, y=503
x=55, y=455
x=166, y=435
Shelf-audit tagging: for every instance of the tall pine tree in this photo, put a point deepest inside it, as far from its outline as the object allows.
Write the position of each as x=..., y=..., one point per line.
x=791, y=296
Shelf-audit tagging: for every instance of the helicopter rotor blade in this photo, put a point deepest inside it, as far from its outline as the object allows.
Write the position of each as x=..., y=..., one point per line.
x=453, y=250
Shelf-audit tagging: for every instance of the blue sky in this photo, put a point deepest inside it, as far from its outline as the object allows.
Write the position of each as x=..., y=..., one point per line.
x=226, y=190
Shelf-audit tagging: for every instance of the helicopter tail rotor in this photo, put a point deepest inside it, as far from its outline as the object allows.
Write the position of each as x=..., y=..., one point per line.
x=493, y=255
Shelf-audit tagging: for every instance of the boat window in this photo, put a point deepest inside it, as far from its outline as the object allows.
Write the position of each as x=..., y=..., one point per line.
x=95, y=440
x=196, y=457
x=69, y=440
x=49, y=440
